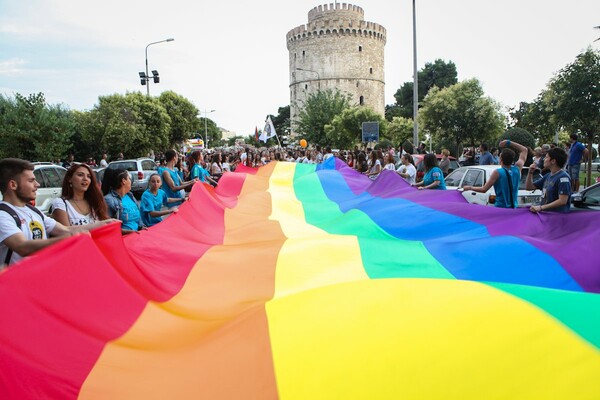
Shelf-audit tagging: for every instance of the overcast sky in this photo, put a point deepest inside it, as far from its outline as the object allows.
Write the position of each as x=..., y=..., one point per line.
x=232, y=57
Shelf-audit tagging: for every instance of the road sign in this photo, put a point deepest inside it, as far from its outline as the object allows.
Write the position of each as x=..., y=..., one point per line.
x=370, y=132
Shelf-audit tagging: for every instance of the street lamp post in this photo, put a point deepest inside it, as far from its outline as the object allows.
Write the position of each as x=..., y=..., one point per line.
x=206, y=126
x=155, y=73
x=415, y=82
x=310, y=70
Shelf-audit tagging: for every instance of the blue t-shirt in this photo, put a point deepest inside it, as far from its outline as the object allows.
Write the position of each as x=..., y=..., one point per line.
x=502, y=188
x=554, y=185
x=199, y=172
x=576, y=153
x=486, y=159
x=434, y=174
x=151, y=202
x=176, y=181
x=130, y=215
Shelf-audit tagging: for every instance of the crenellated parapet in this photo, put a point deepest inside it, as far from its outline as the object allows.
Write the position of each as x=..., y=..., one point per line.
x=337, y=27
x=344, y=10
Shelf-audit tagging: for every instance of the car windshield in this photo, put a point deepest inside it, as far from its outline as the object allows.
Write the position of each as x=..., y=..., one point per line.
x=454, y=178
x=592, y=196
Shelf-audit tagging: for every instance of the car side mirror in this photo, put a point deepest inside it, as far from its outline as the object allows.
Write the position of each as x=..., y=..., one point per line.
x=577, y=200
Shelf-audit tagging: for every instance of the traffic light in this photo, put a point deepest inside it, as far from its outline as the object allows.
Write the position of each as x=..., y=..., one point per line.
x=143, y=78
x=155, y=76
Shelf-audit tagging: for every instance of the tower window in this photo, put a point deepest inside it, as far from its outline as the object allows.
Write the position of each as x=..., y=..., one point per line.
x=305, y=86
x=359, y=48
x=357, y=84
x=361, y=101
x=371, y=70
x=303, y=53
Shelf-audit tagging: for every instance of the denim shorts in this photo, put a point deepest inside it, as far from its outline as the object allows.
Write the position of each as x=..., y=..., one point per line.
x=573, y=171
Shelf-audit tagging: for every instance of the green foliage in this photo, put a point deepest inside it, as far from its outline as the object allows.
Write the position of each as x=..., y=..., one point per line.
x=210, y=128
x=132, y=124
x=440, y=74
x=462, y=113
x=400, y=129
x=345, y=131
x=576, y=91
x=281, y=121
x=520, y=136
x=319, y=110
x=33, y=130
x=183, y=115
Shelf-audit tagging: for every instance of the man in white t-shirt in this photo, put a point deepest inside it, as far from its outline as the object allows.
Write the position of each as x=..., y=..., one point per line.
x=407, y=170
x=18, y=187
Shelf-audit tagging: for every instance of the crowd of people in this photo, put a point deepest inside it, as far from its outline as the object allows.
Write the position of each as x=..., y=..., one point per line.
x=86, y=204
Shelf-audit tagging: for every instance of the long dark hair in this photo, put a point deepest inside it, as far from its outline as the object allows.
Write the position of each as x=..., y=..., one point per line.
x=430, y=161
x=92, y=195
x=112, y=179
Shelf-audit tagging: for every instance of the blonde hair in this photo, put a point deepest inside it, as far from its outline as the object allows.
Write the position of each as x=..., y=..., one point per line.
x=446, y=152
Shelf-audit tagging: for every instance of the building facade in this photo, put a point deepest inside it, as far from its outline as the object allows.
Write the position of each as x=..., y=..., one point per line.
x=337, y=49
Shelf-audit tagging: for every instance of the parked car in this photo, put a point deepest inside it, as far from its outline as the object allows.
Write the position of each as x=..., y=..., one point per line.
x=141, y=169
x=477, y=175
x=50, y=178
x=99, y=171
x=587, y=199
x=418, y=160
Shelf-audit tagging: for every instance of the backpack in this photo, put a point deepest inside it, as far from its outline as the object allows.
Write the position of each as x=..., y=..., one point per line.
x=6, y=208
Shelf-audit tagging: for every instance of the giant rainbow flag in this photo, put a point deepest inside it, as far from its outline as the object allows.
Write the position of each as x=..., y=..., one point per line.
x=311, y=282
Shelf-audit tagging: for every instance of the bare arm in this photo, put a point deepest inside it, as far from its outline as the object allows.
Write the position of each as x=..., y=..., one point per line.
x=529, y=180
x=561, y=201
x=23, y=247
x=520, y=148
x=61, y=216
x=482, y=189
x=169, y=181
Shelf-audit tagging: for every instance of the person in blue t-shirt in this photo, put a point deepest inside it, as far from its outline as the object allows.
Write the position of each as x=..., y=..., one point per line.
x=507, y=178
x=486, y=157
x=577, y=153
x=434, y=177
x=153, y=201
x=555, y=185
x=119, y=200
x=172, y=184
x=198, y=171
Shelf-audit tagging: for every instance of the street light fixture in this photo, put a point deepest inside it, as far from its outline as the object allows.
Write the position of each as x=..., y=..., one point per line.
x=310, y=70
x=206, y=126
x=145, y=77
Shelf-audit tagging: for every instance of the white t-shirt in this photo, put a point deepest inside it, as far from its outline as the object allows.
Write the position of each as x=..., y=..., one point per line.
x=410, y=170
x=32, y=226
x=103, y=163
x=327, y=156
x=226, y=167
x=390, y=166
x=75, y=218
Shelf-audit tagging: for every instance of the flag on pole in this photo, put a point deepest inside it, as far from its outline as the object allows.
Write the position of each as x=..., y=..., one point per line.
x=269, y=130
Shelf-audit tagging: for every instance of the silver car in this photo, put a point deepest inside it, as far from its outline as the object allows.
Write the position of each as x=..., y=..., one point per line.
x=140, y=169
x=477, y=175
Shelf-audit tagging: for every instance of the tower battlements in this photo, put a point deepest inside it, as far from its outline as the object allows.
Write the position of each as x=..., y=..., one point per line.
x=345, y=10
x=339, y=27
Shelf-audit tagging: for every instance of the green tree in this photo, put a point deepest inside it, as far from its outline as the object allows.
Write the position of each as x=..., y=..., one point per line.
x=281, y=121
x=33, y=130
x=319, y=110
x=576, y=91
x=133, y=124
x=183, y=114
x=461, y=112
x=215, y=136
x=399, y=130
x=439, y=73
x=345, y=129
x=520, y=136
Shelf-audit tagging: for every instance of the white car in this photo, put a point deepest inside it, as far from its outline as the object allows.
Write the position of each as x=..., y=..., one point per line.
x=50, y=178
x=477, y=175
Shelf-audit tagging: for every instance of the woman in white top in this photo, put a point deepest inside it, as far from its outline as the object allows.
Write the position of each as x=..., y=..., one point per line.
x=375, y=167
x=82, y=202
x=407, y=170
x=389, y=162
